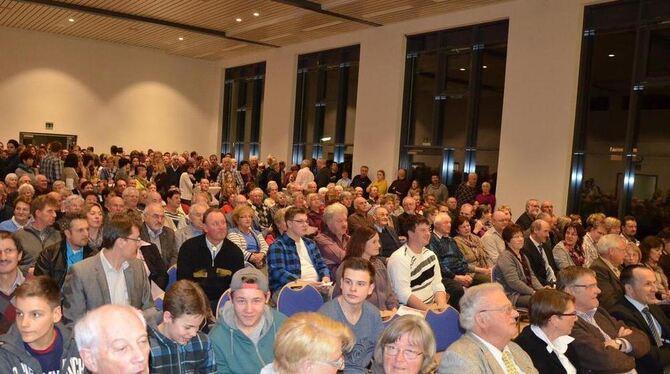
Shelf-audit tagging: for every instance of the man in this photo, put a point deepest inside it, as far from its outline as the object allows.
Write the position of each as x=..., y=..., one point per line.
x=38, y=234
x=203, y=187
x=401, y=185
x=229, y=178
x=108, y=349
x=388, y=238
x=530, y=215
x=539, y=255
x=607, y=268
x=262, y=214
x=12, y=160
x=194, y=227
x=452, y=206
x=454, y=269
x=414, y=270
x=174, y=171
x=332, y=241
x=547, y=207
x=322, y=173
x=629, y=229
x=115, y=205
x=246, y=326
x=489, y=320
x=51, y=165
x=466, y=192
x=131, y=198
x=38, y=343
x=20, y=218
x=304, y=175
x=437, y=189
x=409, y=210
x=41, y=185
x=72, y=204
x=595, y=230
x=638, y=309
x=10, y=278
x=361, y=180
x=492, y=240
x=55, y=260
x=294, y=257
x=353, y=310
x=603, y=344
x=114, y=275
x=467, y=211
x=154, y=231
x=360, y=216
x=173, y=211
x=311, y=188
x=210, y=259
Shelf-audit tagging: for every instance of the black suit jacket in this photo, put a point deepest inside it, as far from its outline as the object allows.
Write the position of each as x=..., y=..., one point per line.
x=608, y=282
x=544, y=362
x=389, y=241
x=156, y=265
x=524, y=221
x=536, y=261
x=658, y=357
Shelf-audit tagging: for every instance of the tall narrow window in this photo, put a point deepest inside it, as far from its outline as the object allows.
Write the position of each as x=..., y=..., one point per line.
x=325, y=108
x=242, y=100
x=454, y=83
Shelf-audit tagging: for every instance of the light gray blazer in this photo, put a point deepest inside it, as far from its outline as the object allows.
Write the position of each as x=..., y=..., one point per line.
x=86, y=288
x=468, y=355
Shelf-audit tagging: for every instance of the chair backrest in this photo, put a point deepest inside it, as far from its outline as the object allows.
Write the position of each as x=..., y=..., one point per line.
x=248, y=264
x=159, y=304
x=225, y=297
x=172, y=276
x=445, y=326
x=292, y=300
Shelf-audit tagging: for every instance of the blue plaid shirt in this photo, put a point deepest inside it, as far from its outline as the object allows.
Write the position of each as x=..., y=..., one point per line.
x=284, y=262
x=52, y=167
x=167, y=356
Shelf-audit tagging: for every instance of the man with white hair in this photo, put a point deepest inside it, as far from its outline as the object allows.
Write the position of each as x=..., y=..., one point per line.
x=194, y=227
x=489, y=320
x=388, y=237
x=492, y=240
x=154, y=231
x=131, y=197
x=530, y=215
x=304, y=175
x=262, y=214
x=607, y=267
x=409, y=207
x=360, y=216
x=99, y=339
x=72, y=204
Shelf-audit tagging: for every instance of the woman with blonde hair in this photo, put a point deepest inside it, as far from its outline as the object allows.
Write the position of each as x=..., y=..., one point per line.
x=310, y=343
x=251, y=242
x=612, y=225
x=407, y=345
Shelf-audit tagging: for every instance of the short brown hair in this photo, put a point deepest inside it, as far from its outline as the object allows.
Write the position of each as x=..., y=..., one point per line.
x=42, y=287
x=511, y=230
x=546, y=303
x=66, y=221
x=118, y=226
x=186, y=297
x=292, y=212
x=208, y=212
x=40, y=202
x=359, y=263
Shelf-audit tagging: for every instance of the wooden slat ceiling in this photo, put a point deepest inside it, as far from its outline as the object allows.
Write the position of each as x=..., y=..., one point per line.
x=278, y=24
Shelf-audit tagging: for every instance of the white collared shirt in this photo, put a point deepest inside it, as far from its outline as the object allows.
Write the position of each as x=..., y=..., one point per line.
x=498, y=354
x=116, y=281
x=559, y=346
x=213, y=249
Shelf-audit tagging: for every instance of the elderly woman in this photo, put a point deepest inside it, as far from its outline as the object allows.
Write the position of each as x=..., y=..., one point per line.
x=365, y=243
x=472, y=248
x=513, y=269
x=27, y=191
x=11, y=183
x=310, y=343
x=251, y=242
x=406, y=346
x=483, y=223
x=547, y=339
x=333, y=238
x=486, y=197
x=569, y=251
x=652, y=248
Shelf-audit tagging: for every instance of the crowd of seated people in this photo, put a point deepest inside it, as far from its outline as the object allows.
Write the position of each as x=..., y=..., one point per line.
x=88, y=237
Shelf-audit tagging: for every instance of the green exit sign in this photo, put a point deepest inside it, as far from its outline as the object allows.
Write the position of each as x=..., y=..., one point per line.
x=49, y=125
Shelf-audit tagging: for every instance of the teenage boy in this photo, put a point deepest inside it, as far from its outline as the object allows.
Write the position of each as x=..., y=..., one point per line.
x=352, y=309
x=177, y=346
x=246, y=327
x=38, y=343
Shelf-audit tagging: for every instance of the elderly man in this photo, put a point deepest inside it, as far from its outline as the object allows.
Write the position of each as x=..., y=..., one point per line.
x=547, y=207
x=195, y=225
x=304, y=175
x=492, y=241
x=131, y=198
x=229, y=178
x=262, y=214
x=409, y=210
x=154, y=231
x=607, y=268
x=638, y=309
x=388, y=238
x=603, y=344
x=113, y=276
x=115, y=205
x=72, y=204
x=41, y=185
x=466, y=192
x=530, y=215
x=39, y=233
x=452, y=206
x=539, y=254
x=113, y=339
x=360, y=216
x=333, y=239
x=489, y=320
x=467, y=211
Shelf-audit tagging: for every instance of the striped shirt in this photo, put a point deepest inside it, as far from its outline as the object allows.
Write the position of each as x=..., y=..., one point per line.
x=415, y=274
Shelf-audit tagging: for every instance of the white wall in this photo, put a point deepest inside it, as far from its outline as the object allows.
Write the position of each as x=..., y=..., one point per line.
x=107, y=94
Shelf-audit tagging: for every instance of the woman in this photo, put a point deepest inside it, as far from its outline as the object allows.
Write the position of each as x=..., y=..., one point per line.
x=416, y=191
x=569, y=251
x=483, y=220
x=406, y=346
x=513, y=270
x=70, y=167
x=27, y=191
x=664, y=262
x=160, y=177
x=612, y=225
x=186, y=183
x=547, y=339
x=310, y=343
x=486, y=197
x=272, y=190
x=11, y=183
x=652, y=248
x=93, y=213
x=364, y=243
x=633, y=255
x=473, y=249
x=380, y=183
x=251, y=242
x=248, y=178
x=278, y=225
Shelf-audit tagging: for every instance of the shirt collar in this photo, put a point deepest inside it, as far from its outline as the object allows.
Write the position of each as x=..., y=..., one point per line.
x=638, y=305
x=587, y=315
x=107, y=266
x=560, y=344
x=152, y=234
x=497, y=353
x=534, y=242
x=70, y=248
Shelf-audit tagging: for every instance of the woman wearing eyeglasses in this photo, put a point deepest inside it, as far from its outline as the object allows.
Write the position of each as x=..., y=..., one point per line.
x=546, y=340
x=310, y=343
x=406, y=346
x=513, y=269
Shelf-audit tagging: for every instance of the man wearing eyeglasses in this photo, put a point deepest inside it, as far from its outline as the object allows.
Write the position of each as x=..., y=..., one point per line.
x=603, y=344
x=487, y=347
x=113, y=276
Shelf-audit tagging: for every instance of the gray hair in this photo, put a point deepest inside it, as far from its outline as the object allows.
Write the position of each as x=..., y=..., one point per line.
x=473, y=300
x=128, y=190
x=70, y=200
x=10, y=175
x=24, y=187
x=333, y=209
x=441, y=217
x=419, y=334
x=608, y=241
x=87, y=329
x=191, y=211
x=147, y=208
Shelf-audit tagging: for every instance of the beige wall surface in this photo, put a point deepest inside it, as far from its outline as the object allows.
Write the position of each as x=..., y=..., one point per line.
x=107, y=94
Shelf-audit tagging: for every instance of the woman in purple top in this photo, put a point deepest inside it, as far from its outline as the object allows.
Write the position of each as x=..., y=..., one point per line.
x=486, y=197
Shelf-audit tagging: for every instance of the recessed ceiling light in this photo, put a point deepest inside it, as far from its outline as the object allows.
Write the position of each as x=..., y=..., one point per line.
x=611, y=55
x=238, y=19
x=256, y=14
x=181, y=38
x=462, y=69
x=70, y=19
x=484, y=66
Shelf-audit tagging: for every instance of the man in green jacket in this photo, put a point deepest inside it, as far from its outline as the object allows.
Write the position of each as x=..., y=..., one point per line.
x=246, y=326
